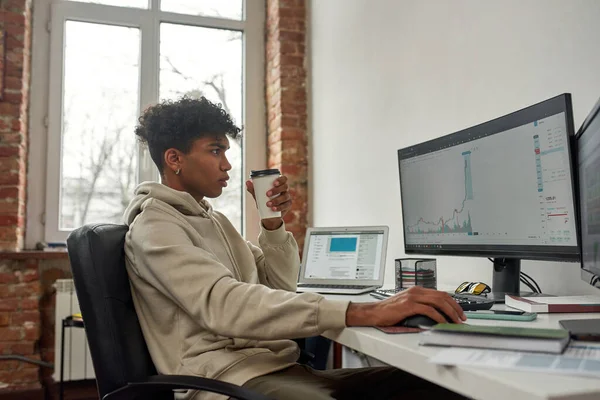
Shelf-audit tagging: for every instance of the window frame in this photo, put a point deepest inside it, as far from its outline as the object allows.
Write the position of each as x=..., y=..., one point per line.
x=47, y=77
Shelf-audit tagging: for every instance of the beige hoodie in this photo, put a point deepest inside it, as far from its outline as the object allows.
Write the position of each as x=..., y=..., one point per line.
x=209, y=303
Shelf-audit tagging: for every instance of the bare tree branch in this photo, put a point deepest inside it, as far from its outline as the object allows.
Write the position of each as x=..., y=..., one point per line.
x=97, y=168
x=176, y=71
x=219, y=89
x=215, y=82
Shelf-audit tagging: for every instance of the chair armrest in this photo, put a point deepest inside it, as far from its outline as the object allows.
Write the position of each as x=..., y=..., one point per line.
x=171, y=382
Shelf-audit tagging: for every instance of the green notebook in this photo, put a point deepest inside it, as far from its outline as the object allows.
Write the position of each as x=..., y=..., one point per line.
x=497, y=337
x=503, y=331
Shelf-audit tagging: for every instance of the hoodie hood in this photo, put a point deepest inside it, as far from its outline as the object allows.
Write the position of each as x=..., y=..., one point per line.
x=181, y=201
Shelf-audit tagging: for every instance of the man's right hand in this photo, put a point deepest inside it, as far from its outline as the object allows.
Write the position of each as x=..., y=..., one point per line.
x=416, y=300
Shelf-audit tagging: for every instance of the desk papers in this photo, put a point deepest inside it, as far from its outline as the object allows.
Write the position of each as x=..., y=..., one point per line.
x=581, y=359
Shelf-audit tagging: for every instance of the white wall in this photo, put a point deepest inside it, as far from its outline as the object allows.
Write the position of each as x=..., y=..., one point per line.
x=386, y=74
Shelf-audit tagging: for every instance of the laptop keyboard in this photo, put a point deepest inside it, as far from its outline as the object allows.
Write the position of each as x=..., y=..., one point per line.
x=318, y=285
x=467, y=302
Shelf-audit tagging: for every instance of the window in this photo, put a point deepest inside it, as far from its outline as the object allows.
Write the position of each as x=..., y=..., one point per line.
x=231, y=9
x=120, y=3
x=109, y=60
x=98, y=154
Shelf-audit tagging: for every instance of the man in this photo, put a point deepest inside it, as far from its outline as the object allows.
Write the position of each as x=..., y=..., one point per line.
x=212, y=304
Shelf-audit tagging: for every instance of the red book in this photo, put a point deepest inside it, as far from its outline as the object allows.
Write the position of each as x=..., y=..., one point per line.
x=559, y=304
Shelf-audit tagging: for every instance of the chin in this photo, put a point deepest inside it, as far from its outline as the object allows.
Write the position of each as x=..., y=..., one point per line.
x=215, y=194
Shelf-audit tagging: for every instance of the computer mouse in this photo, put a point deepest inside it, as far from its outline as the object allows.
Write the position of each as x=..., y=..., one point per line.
x=415, y=321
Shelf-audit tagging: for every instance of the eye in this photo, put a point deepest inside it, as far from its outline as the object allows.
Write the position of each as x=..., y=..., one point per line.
x=216, y=151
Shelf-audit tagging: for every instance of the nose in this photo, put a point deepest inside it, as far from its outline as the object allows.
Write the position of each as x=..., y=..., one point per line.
x=225, y=165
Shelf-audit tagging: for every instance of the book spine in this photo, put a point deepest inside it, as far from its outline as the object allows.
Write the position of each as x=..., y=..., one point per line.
x=573, y=308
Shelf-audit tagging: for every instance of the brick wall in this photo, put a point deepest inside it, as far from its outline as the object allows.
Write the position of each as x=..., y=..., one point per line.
x=20, y=328
x=286, y=103
x=21, y=291
x=15, y=15
x=27, y=312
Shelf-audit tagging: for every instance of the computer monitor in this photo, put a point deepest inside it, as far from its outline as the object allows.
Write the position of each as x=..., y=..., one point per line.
x=587, y=155
x=502, y=189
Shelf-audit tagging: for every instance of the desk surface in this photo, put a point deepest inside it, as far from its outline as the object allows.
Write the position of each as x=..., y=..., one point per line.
x=403, y=351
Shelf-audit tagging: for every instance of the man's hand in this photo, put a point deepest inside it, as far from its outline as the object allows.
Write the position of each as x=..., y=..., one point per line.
x=416, y=300
x=283, y=201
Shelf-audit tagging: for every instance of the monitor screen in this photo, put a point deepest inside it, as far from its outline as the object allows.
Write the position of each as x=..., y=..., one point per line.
x=344, y=255
x=588, y=160
x=503, y=188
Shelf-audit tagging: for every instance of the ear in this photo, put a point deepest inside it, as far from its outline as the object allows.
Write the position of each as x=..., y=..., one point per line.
x=172, y=159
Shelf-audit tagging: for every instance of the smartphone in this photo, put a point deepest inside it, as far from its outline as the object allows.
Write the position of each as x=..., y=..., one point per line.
x=502, y=315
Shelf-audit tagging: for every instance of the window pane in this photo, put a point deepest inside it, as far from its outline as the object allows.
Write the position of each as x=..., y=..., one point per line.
x=100, y=106
x=230, y=9
x=120, y=3
x=207, y=62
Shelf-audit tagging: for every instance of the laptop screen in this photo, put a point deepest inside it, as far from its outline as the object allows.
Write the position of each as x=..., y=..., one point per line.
x=344, y=255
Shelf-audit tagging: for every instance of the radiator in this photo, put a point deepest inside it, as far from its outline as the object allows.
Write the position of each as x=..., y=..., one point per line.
x=78, y=362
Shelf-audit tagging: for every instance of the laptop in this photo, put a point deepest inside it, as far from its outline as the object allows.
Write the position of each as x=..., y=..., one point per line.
x=346, y=260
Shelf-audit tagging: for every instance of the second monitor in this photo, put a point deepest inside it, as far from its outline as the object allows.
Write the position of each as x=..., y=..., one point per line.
x=502, y=189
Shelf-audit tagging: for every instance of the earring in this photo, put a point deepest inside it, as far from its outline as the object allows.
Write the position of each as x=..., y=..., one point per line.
x=178, y=171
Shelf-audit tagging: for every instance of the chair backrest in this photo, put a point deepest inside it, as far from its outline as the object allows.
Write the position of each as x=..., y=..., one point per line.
x=117, y=346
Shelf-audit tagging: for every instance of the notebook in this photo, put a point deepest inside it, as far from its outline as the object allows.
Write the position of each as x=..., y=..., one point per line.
x=497, y=337
x=344, y=260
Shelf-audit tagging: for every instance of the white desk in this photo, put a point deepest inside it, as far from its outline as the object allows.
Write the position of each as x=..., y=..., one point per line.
x=403, y=351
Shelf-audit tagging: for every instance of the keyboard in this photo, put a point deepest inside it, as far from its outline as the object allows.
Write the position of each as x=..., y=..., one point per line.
x=467, y=302
x=318, y=285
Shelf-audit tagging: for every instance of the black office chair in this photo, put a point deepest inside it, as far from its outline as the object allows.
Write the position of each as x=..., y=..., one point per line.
x=122, y=364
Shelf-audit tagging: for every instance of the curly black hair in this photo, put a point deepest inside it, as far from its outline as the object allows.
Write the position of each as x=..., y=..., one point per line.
x=178, y=123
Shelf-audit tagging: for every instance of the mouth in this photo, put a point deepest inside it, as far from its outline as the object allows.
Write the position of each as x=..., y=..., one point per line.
x=223, y=181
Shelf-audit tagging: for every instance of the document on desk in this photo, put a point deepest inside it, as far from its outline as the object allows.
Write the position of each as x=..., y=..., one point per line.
x=581, y=359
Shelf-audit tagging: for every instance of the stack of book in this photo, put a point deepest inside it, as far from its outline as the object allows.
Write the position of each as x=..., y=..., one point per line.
x=497, y=337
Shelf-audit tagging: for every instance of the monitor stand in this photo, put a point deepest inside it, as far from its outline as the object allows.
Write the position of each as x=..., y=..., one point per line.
x=506, y=280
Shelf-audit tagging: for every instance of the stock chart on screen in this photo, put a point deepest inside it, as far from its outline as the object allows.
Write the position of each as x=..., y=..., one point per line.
x=509, y=188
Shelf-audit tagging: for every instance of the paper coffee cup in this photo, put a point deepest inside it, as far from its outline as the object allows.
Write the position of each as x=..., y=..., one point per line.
x=263, y=182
